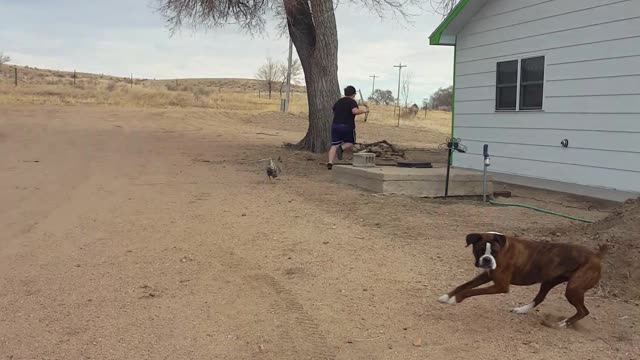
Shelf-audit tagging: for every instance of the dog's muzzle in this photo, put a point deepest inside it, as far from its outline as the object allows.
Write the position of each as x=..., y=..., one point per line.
x=487, y=261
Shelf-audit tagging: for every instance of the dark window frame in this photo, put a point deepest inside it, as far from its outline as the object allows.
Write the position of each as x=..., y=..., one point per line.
x=506, y=85
x=520, y=85
x=523, y=84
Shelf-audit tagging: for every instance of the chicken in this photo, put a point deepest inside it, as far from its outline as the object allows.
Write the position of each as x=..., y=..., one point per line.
x=273, y=170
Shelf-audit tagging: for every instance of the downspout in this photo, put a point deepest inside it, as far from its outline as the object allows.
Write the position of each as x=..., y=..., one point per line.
x=453, y=94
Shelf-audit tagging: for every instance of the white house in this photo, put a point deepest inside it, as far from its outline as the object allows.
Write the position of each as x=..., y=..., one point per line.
x=532, y=74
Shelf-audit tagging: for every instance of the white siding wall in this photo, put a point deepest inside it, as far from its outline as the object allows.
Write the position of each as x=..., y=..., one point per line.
x=591, y=91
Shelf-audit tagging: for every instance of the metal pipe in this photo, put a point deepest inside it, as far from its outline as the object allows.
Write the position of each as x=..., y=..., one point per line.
x=484, y=185
x=446, y=187
x=487, y=162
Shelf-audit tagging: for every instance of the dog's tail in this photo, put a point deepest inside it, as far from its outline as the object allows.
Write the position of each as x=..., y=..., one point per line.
x=603, y=249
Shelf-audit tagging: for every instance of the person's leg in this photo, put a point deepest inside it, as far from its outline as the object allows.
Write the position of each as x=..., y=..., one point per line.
x=348, y=138
x=340, y=151
x=336, y=142
x=332, y=154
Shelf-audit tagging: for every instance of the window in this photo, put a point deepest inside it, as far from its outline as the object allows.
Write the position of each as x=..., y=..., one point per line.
x=524, y=92
x=531, y=83
x=507, y=85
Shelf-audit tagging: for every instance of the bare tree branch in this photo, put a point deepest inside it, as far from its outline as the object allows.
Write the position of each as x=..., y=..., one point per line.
x=405, y=87
x=384, y=8
x=249, y=15
x=270, y=74
x=443, y=7
x=296, y=72
x=4, y=58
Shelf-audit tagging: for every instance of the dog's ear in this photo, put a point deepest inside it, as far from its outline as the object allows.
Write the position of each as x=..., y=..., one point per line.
x=500, y=239
x=473, y=238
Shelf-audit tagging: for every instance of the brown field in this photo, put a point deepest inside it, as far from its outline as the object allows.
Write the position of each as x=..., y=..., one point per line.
x=137, y=228
x=40, y=87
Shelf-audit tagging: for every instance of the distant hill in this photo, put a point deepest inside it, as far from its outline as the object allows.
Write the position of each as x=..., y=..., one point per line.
x=31, y=75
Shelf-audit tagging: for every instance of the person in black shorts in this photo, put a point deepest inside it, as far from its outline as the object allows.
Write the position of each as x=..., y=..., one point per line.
x=343, y=128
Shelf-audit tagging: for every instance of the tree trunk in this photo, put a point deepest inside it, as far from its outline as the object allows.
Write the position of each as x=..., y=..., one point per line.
x=316, y=40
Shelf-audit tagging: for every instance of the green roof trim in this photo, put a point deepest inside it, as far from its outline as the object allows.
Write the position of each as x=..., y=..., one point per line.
x=434, y=39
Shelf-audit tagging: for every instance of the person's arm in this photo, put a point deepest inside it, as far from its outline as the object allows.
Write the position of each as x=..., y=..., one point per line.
x=357, y=111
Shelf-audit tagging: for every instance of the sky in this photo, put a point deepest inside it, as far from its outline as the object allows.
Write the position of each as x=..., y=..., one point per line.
x=120, y=37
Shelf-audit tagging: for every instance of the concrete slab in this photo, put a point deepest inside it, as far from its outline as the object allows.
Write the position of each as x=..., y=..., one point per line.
x=412, y=182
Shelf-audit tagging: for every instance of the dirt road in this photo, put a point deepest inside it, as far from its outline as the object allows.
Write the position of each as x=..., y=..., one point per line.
x=150, y=234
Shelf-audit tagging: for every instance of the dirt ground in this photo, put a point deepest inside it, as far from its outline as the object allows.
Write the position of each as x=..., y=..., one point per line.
x=619, y=232
x=155, y=234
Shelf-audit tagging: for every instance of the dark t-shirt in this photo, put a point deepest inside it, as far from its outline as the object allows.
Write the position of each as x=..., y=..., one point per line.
x=342, y=112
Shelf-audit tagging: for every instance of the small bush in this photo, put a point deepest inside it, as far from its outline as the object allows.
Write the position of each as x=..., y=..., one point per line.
x=54, y=82
x=202, y=92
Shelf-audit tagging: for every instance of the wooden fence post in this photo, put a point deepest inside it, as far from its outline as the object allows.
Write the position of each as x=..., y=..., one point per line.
x=15, y=70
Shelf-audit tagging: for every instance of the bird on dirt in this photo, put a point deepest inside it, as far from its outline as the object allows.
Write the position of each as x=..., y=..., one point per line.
x=273, y=170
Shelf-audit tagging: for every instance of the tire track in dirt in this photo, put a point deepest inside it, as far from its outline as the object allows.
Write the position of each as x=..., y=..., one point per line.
x=300, y=330
x=314, y=344
x=301, y=336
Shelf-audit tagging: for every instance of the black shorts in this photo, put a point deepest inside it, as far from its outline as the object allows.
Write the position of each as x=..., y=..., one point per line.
x=341, y=134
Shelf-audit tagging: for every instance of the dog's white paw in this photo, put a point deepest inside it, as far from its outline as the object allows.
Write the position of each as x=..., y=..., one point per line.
x=523, y=309
x=445, y=299
x=563, y=324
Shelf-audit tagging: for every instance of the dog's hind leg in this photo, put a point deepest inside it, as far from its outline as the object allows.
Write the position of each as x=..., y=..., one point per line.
x=545, y=287
x=582, y=280
x=576, y=298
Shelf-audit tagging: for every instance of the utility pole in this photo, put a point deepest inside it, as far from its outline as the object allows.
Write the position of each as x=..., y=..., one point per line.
x=373, y=87
x=286, y=104
x=398, y=94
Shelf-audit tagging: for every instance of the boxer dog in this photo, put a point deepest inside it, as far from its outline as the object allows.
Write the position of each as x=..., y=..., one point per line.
x=512, y=261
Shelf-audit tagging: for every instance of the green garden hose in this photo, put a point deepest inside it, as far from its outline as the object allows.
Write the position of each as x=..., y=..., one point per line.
x=540, y=210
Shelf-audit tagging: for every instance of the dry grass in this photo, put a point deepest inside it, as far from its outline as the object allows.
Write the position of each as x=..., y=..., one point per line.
x=42, y=87
x=439, y=121
x=56, y=87
x=124, y=95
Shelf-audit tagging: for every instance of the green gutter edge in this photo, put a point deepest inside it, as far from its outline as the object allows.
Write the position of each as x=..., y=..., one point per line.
x=434, y=39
